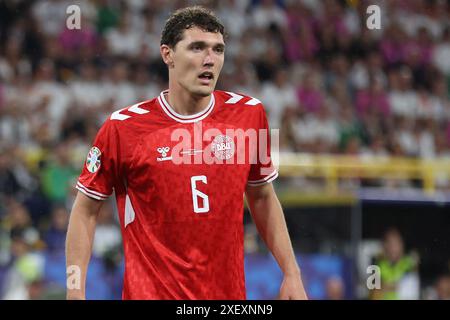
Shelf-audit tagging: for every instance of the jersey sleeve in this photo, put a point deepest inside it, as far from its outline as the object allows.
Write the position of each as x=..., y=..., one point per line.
x=100, y=169
x=262, y=170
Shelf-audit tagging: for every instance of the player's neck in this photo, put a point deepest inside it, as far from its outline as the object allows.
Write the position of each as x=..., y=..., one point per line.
x=185, y=103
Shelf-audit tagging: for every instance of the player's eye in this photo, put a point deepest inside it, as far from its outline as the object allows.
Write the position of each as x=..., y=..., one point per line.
x=219, y=49
x=196, y=47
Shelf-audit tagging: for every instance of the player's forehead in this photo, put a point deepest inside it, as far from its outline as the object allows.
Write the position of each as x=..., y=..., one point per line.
x=196, y=34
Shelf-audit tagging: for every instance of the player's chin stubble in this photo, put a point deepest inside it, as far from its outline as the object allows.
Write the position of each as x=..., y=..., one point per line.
x=204, y=92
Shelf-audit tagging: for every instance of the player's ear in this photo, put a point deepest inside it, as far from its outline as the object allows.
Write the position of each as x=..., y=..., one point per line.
x=166, y=54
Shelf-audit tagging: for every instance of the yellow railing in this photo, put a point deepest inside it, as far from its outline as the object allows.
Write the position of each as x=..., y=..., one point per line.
x=335, y=167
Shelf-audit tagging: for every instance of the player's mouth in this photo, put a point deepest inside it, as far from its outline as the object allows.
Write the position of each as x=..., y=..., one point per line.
x=206, y=77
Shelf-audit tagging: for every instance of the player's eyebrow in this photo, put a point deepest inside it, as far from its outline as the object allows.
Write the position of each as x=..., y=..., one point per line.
x=203, y=44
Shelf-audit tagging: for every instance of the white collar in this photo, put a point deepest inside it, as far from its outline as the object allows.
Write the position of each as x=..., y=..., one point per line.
x=183, y=118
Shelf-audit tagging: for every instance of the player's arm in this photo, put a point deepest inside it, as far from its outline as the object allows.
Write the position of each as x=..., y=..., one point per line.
x=267, y=213
x=80, y=236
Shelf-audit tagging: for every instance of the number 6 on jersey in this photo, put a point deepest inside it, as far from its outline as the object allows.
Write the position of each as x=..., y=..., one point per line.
x=196, y=194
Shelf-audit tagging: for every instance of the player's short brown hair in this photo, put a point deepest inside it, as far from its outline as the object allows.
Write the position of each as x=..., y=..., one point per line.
x=186, y=18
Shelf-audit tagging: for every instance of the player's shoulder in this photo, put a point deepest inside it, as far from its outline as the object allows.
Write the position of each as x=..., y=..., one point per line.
x=131, y=120
x=135, y=112
x=238, y=99
x=132, y=115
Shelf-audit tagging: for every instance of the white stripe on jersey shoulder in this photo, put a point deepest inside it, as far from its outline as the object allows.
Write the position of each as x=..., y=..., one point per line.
x=91, y=193
x=135, y=108
x=130, y=214
x=183, y=118
x=235, y=98
x=269, y=178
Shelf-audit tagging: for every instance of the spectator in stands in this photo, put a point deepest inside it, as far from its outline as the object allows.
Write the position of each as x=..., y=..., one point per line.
x=278, y=96
x=349, y=130
x=58, y=174
x=398, y=270
x=55, y=236
x=9, y=182
x=268, y=13
x=309, y=93
x=373, y=99
x=18, y=222
x=335, y=289
x=402, y=97
x=441, y=52
x=299, y=36
x=123, y=40
x=25, y=269
x=107, y=240
x=442, y=287
x=393, y=45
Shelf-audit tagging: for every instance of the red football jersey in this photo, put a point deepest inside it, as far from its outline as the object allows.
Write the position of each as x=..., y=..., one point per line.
x=179, y=183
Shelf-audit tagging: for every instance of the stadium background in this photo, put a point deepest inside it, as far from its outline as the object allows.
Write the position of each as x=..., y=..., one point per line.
x=364, y=140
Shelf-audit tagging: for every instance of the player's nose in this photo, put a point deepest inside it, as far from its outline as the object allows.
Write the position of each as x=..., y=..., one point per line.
x=208, y=61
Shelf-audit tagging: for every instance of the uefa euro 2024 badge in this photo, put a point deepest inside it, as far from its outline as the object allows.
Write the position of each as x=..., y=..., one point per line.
x=93, y=159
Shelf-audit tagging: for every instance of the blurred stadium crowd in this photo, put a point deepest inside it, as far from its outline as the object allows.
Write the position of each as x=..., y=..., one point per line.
x=332, y=85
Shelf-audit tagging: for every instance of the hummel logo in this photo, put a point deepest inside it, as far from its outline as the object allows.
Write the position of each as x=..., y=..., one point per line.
x=163, y=151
